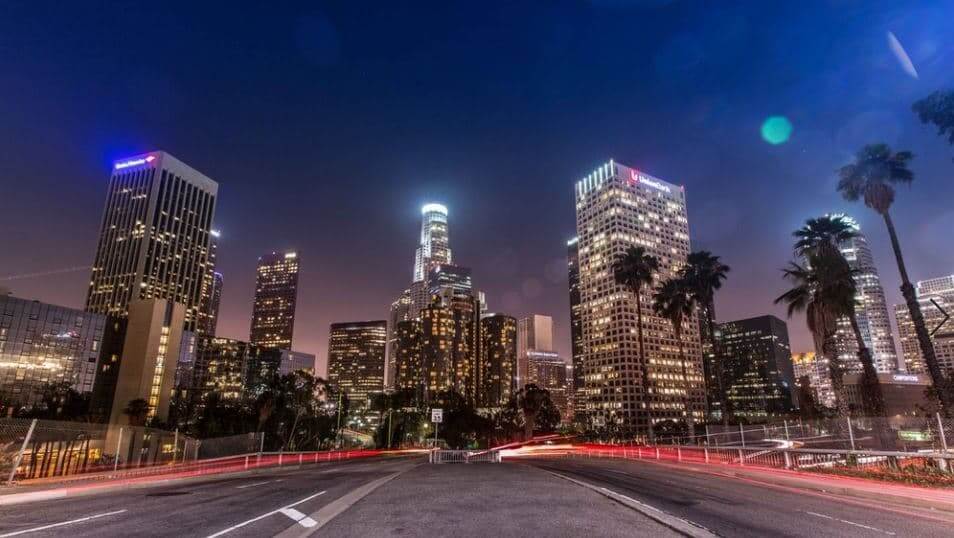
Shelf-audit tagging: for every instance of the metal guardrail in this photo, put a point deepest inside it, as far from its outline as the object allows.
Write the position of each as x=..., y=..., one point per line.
x=778, y=458
x=464, y=456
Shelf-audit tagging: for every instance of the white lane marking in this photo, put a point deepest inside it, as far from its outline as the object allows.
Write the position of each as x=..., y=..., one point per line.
x=263, y=516
x=252, y=485
x=70, y=522
x=845, y=521
x=302, y=519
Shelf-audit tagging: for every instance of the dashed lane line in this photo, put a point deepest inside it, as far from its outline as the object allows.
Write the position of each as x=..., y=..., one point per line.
x=61, y=524
x=263, y=516
x=845, y=521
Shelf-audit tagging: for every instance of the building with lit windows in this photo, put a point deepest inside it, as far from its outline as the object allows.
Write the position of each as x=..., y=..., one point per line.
x=211, y=296
x=871, y=310
x=356, y=359
x=276, y=296
x=548, y=371
x=42, y=345
x=757, y=368
x=154, y=238
x=618, y=207
x=815, y=368
x=936, y=299
x=434, y=247
x=576, y=327
x=407, y=369
x=497, y=365
x=534, y=333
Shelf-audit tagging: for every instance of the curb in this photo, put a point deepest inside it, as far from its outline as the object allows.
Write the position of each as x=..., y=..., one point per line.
x=683, y=527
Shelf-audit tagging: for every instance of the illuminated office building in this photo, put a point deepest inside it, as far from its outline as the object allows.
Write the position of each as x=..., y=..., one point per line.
x=276, y=295
x=497, y=365
x=407, y=369
x=534, y=333
x=211, y=296
x=757, y=368
x=548, y=371
x=576, y=327
x=618, y=207
x=356, y=359
x=815, y=368
x=434, y=247
x=43, y=344
x=154, y=238
x=871, y=310
x=936, y=298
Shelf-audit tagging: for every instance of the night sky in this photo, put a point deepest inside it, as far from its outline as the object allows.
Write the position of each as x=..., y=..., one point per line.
x=327, y=125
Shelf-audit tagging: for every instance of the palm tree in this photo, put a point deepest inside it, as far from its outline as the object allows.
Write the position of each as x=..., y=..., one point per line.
x=823, y=234
x=825, y=289
x=137, y=410
x=704, y=274
x=872, y=178
x=531, y=399
x=634, y=270
x=674, y=302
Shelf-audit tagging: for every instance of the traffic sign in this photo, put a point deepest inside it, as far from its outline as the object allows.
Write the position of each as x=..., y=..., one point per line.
x=437, y=415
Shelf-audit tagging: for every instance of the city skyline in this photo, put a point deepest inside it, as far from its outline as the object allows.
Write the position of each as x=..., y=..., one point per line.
x=732, y=189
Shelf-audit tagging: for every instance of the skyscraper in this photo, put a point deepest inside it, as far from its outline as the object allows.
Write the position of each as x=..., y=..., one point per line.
x=576, y=326
x=498, y=360
x=407, y=369
x=618, y=207
x=548, y=371
x=757, y=368
x=815, y=367
x=276, y=294
x=211, y=295
x=534, y=333
x=936, y=297
x=154, y=238
x=434, y=247
x=356, y=359
x=871, y=310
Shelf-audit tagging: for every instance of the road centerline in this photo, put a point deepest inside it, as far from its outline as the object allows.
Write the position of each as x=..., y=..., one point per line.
x=265, y=515
x=62, y=523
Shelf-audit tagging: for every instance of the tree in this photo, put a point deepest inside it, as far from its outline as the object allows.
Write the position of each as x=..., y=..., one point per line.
x=137, y=410
x=808, y=407
x=704, y=274
x=531, y=399
x=674, y=301
x=938, y=108
x=634, y=270
x=825, y=290
x=872, y=178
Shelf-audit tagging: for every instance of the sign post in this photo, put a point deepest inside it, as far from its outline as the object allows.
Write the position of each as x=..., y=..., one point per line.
x=437, y=416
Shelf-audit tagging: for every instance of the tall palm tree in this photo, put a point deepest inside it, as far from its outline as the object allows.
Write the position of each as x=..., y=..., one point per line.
x=137, y=410
x=825, y=290
x=872, y=178
x=531, y=399
x=823, y=234
x=704, y=274
x=634, y=270
x=674, y=302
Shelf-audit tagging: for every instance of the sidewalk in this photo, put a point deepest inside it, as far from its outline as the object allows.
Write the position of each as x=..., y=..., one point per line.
x=489, y=499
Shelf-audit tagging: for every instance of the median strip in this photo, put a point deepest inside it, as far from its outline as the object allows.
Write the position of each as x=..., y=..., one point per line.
x=682, y=526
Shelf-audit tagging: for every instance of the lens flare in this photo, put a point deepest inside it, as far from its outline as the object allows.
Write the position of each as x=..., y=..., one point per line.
x=776, y=130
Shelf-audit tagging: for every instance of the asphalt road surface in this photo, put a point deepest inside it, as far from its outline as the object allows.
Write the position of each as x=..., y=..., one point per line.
x=407, y=497
x=735, y=507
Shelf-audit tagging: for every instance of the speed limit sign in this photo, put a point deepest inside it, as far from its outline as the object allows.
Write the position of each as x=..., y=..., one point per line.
x=437, y=415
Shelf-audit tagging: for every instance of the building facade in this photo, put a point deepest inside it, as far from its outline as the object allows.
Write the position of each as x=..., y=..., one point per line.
x=548, y=370
x=871, y=310
x=356, y=359
x=936, y=298
x=276, y=297
x=618, y=207
x=576, y=328
x=154, y=238
x=434, y=247
x=815, y=368
x=757, y=368
x=42, y=345
x=534, y=333
x=211, y=296
x=497, y=366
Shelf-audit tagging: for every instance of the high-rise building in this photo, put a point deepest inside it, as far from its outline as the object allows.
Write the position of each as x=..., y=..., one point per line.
x=757, y=368
x=534, y=333
x=407, y=368
x=548, y=371
x=211, y=296
x=295, y=361
x=43, y=344
x=356, y=359
x=577, y=393
x=449, y=276
x=618, y=207
x=434, y=247
x=497, y=366
x=276, y=295
x=815, y=367
x=400, y=312
x=448, y=345
x=936, y=298
x=154, y=238
x=871, y=310
x=147, y=367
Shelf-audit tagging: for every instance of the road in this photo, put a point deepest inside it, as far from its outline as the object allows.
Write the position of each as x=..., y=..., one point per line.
x=407, y=497
x=735, y=507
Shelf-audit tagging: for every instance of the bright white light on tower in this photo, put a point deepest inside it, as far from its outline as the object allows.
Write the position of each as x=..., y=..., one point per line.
x=434, y=208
